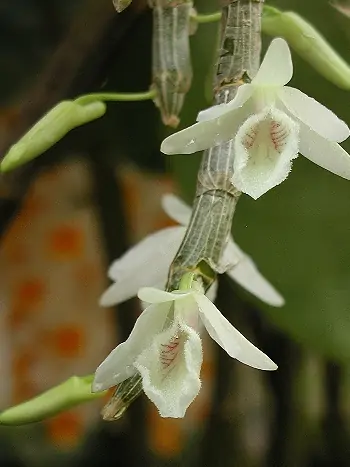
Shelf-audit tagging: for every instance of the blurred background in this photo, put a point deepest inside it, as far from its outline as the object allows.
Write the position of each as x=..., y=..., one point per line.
x=68, y=214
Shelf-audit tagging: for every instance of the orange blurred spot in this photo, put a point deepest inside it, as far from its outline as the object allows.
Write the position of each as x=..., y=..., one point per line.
x=17, y=315
x=28, y=295
x=30, y=292
x=68, y=341
x=65, y=429
x=66, y=242
x=165, y=434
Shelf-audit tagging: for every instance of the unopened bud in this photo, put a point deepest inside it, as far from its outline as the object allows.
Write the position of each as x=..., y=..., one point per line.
x=49, y=130
x=308, y=43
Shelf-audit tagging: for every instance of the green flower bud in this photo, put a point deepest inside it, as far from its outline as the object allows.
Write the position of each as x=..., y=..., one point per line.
x=308, y=43
x=49, y=129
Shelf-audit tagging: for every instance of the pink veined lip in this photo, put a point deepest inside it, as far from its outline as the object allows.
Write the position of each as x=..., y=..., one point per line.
x=169, y=352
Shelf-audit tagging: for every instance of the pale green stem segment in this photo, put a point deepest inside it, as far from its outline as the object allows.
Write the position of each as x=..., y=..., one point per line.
x=75, y=391
x=210, y=18
x=60, y=120
x=119, y=97
x=186, y=281
x=303, y=38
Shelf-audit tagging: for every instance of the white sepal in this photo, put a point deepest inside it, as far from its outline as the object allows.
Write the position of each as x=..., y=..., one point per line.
x=247, y=275
x=145, y=264
x=119, y=365
x=244, y=92
x=276, y=68
x=213, y=291
x=231, y=340
x=176, y=209
x=327, y=154
x=153, y=295
x=205, y=134
x=242, y=269
x=315, y=115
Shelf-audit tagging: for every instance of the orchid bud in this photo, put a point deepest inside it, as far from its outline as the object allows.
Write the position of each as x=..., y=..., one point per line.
x=49, y=130
x=308, y=43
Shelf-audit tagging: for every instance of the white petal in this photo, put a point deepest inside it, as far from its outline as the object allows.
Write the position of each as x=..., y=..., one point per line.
x=232, y=255
x=212, y=112
x=152, y=295
x=327, y=154
x=161, y=286
x=213, y=291
x=242, y=269
x=314, y=114
x=264, y=147
x=176, y=209
x=277, y=68
x=205, y=134
x=118, y=366
x=247, y=275
x=145, y=264
x=170, y=370
x=244, y=92
x=231, y=340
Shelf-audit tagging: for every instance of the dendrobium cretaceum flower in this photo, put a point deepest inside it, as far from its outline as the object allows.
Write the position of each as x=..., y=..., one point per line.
x=165, y=348
x=148, y=262
x=269, y=123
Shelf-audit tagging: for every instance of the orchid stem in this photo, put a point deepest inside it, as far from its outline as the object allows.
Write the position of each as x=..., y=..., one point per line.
x=121, y=97
x=74, y=391
x=210, y=18
x=208, y=231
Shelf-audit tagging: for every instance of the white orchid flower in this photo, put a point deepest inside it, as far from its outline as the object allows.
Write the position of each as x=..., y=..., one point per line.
x=169, y=358
x=270, y=123
x=148, y=262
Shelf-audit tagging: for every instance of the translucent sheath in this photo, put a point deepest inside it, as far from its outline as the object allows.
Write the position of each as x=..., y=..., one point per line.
x=171, y=60
x=216, y=198
x=124, y=394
